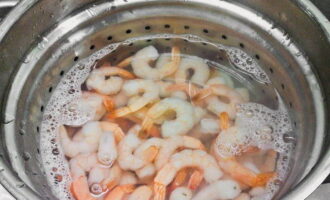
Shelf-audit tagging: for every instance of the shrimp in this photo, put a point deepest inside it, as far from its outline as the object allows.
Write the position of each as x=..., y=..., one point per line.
x=257, y=191
x=147, y=172
x=195, y=180
x=243, y=196
x=184, y=117
x=190, y=89
x=91, y=133
x=223, y=189
x=183, y=159
x=120, y=99
x=80, y=189
x=209, y=126
x=217, y=106
x=81, y=164
x=112, y=178
x=244, y=93
x=128, y=178
x=107, y=152
x=181, y=193
x=142, y=68
x=150, y=92
x=119, y=192
x=114, y=128
x=170, y=145
x=179, y=179
x=141, y=193
x=126, y=62
x=104, y=80
x=200, y=70
x=149, y=149
x=126, y=159
x=221, y=79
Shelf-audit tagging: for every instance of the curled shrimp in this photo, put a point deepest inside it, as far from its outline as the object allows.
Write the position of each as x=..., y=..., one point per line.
x=184, y=117
x=142, y=68
x=82, y=164
x=141, y=193
x=172, y=144
x=200, y=70
x=181, y=193
x=90, y=133
x=150, y=93
x=128, y=178
x=80, y=189
x=217, y=106
x=190, y=89
x=223, y=189
x=119, y=192
x=107, y=153
x=104, y=80
x=186, y=158
x=127, y=160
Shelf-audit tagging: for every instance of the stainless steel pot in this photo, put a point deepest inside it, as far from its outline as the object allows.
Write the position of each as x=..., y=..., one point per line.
x=40, y=40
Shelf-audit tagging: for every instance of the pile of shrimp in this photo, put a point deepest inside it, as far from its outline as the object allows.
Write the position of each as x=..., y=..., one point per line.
x=160, y=128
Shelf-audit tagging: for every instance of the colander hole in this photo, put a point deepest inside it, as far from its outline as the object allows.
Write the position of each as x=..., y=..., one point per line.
x=263, y=91
x=167, y=39
x=203, y=43
x=114, y=59
x=219, y=57
x=42, y=108
x=109, y=37
x=186, y=27
x=148, y=40
x=128, y=31
x=62, y=73
x=271, y=70
x=167, y=26
x=92, y=47
x=76, y=58
x=224, y=37
x=282, y=86
x=147, y=27
x=50, y=89
x=290, y=104
x=38, y=129
x=295, y=124
x=131, y=44
x=241, y=45
x=132, y=53
x=257, y=56
x=205, y=31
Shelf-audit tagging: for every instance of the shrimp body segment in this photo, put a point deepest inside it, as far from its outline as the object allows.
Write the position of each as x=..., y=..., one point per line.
x=186, y=158
x=141, y=193
x=181, y=193
x=223, y=189
x=107, y=153
x=80, y=189
x=184, y=116
x=105, y=81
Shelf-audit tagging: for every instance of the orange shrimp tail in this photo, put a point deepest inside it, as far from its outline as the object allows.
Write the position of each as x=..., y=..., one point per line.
x=120, y=112
x=159, y=191
x=80, y=189
x=202, y=94
x=108, y=103
x=179, y=180
x=188, y=88
x=119, y=192
x=124, y=123
x=175, y=62
x=147, y=125
x=154, y=131
x=195, y=180
x=126, y=74
x=263, y=178
x=126, y=62
x=224, y=120
x=151, y=153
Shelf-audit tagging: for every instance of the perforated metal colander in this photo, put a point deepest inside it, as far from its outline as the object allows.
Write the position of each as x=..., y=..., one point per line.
x=41, y=40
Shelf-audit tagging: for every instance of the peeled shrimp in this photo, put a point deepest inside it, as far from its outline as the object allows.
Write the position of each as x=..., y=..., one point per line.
x=243, y=196
x=184, y=117
x=104, y=80
x=181, y=193
x=170, y=145
x=119, y=192
x=142, y=68
x=201, y=71
x=112, y=178
x=221, y=79
x=186, y=158
x=80, y=189
x=127, y=160
x=147, y=172
x=107, y=153
x=150, y=93
x=149, y=149
x=224, y=189
x=209, y=126
x=81, y=164
x=91, y=133
x=128, y=178
x=141, y=193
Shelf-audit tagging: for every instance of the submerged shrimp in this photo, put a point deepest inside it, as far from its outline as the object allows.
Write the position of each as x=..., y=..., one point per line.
x=181, y=193
x=170, y=145
x=127, y=160
x=186, y=158
x=104, y=80
x=119, y=192
x=80, y=189
x=200, y=70
x=141, y=193
x=184, y=117
x=223, y=189
x=82, y=164
x=142, y=68
x=149, y=91
x=90, y=133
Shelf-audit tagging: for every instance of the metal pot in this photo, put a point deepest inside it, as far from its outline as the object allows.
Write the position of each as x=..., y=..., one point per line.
x=41, y=39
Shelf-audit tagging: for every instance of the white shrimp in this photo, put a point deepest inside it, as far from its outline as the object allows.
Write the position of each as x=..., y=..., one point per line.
x=147, y=172
x=181, y=193
x=105, y=81
x=148, y=150
x=149, y=91
x=209, y=126
x=142, y=68
x=184, y=117
x=120, y=99
x=243, y=196
x=81, y=164
x=107, y=153
x=170, y=145
x=128, y=178
x=244, y=93
x=141, y=193
x=223, y=189
x=127, y=160
x=163, y=91
x=199, y=113
x=221, y=79
x=257, y=191
x=201, y=71
x=186, y=158
x=91, y=133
